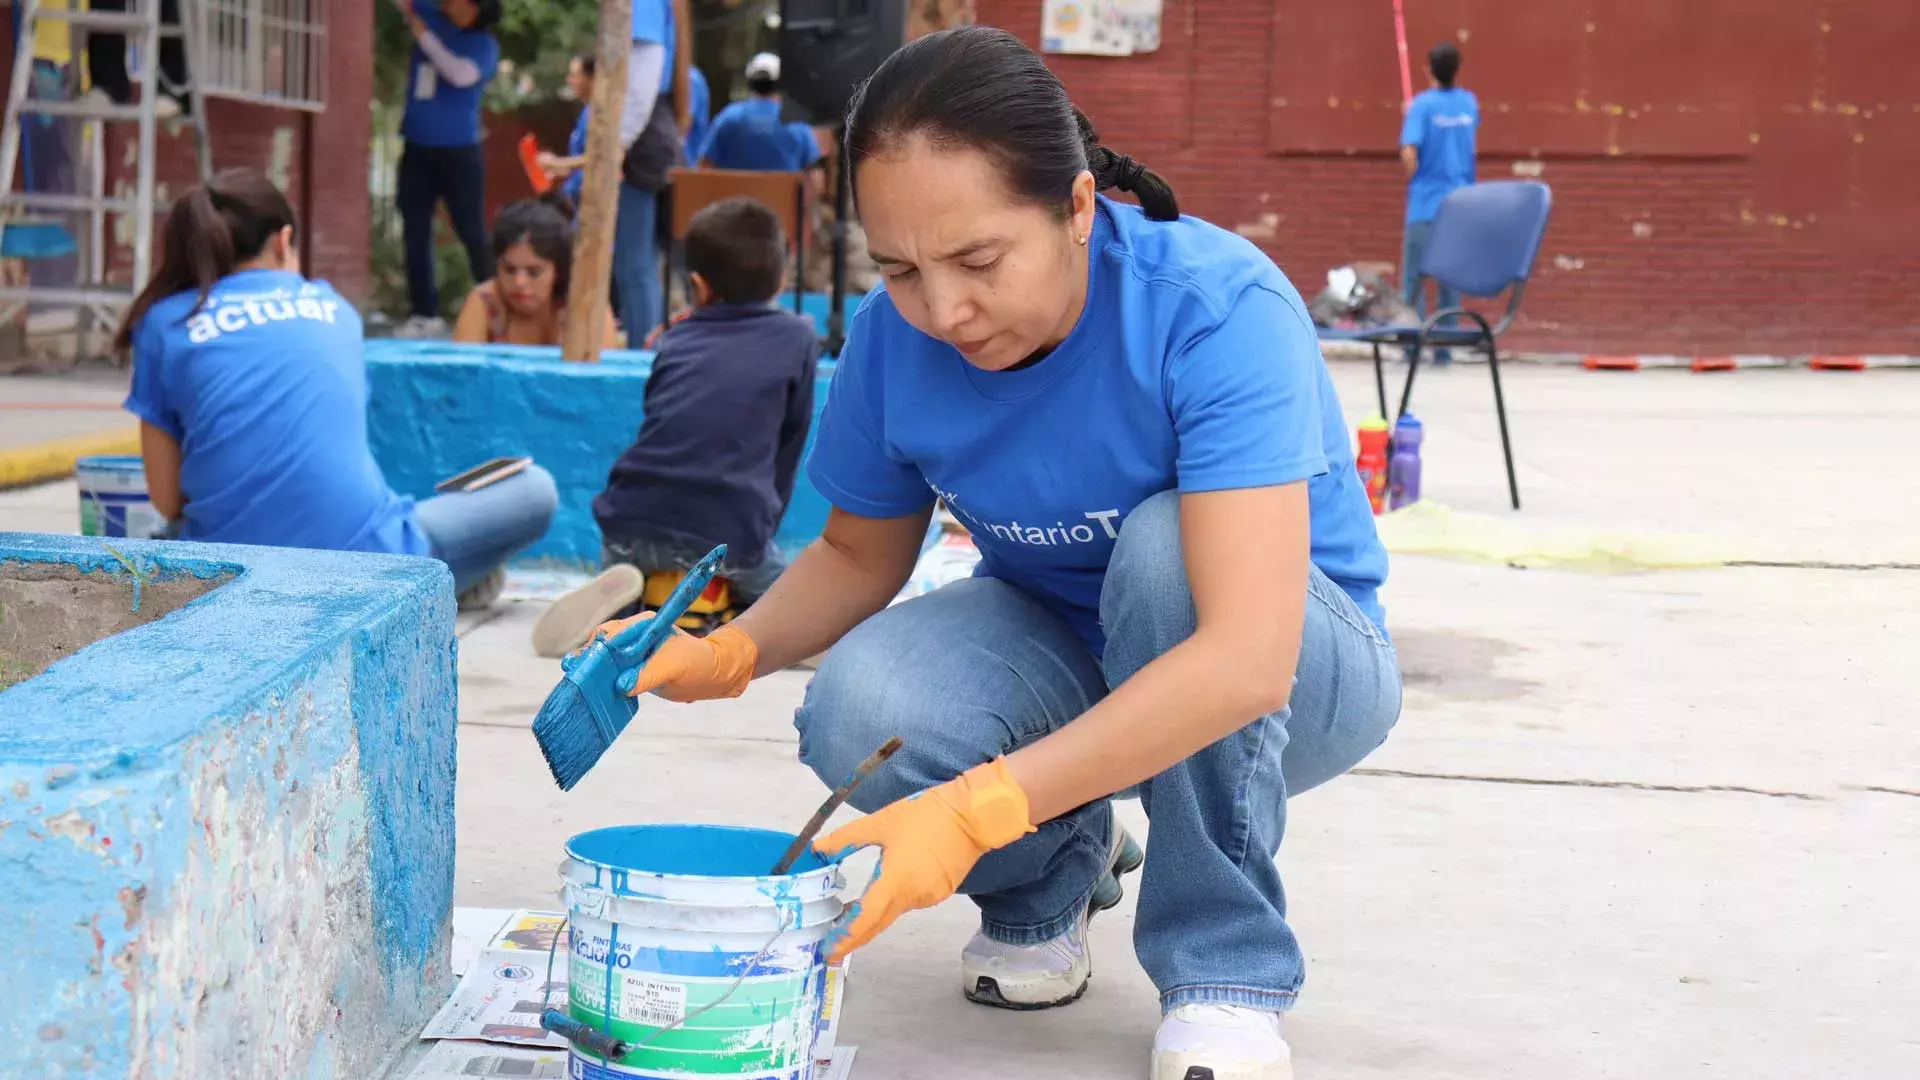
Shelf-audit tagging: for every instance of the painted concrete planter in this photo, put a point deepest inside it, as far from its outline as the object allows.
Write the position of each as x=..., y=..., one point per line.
x=226, y=836
x=438, y=408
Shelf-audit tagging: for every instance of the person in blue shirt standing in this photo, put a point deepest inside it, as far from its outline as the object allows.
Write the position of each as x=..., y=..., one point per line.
x=250, y=383
x=1178, y=593
x=653, y=125
x=749, y=134
x=580, y=76
x=454, y=57
x=1437, y=145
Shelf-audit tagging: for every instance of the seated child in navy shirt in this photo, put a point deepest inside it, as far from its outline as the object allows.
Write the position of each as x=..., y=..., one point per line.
x=728, y=406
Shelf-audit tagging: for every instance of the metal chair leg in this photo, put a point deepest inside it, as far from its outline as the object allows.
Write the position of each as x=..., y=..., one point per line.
x=1413, y=365
x=1500, y=409
x=1379, y=380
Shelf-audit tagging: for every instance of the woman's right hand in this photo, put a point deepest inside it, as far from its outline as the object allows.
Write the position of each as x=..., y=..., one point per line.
x=686, y=668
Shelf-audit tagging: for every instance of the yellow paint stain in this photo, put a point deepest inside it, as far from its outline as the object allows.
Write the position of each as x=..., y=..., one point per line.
x=1580, y=105
x=1848, y=110
x=1612, y=110
x=1778, y=221
x=1818, y=105
x=1746, y=216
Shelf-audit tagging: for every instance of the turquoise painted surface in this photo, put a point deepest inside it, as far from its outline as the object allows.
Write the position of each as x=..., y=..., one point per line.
x=226, y=836
x=438, y=408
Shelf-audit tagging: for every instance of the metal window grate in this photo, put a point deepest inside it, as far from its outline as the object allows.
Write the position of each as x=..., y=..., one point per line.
x=266, y=52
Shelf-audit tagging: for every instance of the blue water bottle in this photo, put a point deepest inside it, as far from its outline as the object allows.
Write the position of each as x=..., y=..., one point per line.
x=1403, y=469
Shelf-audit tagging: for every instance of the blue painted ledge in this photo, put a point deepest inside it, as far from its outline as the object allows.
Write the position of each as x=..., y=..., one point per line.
x=438, y=408
x=226, y=837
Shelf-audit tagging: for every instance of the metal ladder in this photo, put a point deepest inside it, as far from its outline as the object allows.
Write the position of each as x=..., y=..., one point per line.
x=143, y=26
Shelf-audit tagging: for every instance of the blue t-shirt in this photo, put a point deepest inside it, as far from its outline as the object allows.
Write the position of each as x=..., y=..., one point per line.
x=750, y=135
x=439, y=114
x=1441, y=124
x=577, y=147
x=702, y=116
x=1193, y=367
x=265, y=390
x=653, y=22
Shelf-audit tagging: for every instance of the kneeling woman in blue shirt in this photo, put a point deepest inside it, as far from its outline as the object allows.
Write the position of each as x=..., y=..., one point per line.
x=1177, y=598
x=250, y=383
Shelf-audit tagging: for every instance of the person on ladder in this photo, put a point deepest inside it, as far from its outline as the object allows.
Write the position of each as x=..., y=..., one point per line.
x=107, y=63
x=455, y=55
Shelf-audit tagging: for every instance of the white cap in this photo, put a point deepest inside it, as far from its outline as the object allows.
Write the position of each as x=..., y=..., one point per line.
x=765, y=65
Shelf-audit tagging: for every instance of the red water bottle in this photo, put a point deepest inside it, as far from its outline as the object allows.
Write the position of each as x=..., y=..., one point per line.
x=1372, y=461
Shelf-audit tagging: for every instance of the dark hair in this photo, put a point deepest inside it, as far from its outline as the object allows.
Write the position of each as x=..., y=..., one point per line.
x=1444, y=62
x=587, y=62
x=737, y=246
x=489, y=15
x=210, y=231
x=542, y=226
x=763, y=85
x=978, y=86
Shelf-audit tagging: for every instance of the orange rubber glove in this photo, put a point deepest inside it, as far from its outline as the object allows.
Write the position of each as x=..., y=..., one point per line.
x=928, y=843
x=687, y=668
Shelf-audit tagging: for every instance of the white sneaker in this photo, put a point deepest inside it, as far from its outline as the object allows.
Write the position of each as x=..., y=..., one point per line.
x=1056, y=971
x=1221, y=1042
x=166, y=109
x=570, y=620
x=420, y=327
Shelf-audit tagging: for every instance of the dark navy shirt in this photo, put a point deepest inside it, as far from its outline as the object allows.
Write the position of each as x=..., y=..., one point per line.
x=728, y=406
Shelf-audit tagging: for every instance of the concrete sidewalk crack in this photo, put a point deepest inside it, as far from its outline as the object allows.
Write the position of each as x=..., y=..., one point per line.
x=1818, y=565
x=1628, y=785
x=1890, y=790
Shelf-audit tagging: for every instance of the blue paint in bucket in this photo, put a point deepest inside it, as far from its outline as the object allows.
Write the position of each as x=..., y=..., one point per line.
x=683, y=945
x=113, y=498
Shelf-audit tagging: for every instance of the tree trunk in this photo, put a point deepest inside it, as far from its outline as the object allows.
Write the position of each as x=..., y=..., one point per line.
x=599, y=190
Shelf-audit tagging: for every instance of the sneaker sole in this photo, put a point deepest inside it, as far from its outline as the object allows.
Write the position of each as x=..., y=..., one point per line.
x=566, y=625
x=1127, y=857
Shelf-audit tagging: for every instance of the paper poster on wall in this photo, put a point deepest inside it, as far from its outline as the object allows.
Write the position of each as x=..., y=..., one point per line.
x=1100, y=27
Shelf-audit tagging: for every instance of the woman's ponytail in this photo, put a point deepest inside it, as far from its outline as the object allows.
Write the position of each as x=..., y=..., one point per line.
x=210, y=231
x=1122, y=173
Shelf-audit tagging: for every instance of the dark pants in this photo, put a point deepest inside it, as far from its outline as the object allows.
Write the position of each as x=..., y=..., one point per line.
x=107, y=54
x=430, y=175
x=747, y=583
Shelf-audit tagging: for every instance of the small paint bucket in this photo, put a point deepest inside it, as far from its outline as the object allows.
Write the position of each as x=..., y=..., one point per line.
x=682, y=945
x=113, y=497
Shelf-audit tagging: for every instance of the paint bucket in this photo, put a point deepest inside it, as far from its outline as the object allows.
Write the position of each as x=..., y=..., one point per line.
x=682, y=945
x=113, y=497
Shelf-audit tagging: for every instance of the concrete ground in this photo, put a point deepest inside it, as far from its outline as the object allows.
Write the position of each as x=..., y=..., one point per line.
x=1658, y=824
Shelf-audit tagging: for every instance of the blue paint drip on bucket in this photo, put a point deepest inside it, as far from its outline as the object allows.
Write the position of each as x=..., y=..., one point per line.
x=113, y=497
x=683, y=945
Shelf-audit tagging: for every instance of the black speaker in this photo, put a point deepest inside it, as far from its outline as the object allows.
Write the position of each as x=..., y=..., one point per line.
x=828, y=46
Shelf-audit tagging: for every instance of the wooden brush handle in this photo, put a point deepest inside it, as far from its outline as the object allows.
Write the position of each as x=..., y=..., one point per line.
x=814, y=824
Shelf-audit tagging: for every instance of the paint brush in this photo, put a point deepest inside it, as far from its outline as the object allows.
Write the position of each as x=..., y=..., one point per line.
x=819, y=819
x=586, y=711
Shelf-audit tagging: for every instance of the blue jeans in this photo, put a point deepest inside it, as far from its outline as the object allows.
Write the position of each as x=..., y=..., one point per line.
x=636, y=262
x=476, y=532
x=1414, y=286
x=979, y=668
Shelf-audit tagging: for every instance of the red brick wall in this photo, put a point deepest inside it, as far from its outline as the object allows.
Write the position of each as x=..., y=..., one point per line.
x=320, y=158
x=1727, y=176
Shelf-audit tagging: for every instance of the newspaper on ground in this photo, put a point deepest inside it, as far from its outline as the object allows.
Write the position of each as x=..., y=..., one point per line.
x=508, y=985
x=473, y=927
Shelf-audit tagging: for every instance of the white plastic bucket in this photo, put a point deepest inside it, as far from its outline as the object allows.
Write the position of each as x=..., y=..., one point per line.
x=113, y=497
x=682, y=945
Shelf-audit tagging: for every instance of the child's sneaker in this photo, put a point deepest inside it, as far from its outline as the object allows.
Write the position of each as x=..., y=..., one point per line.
x=1221, y=1042
x=1053, y=972
x=569, y=621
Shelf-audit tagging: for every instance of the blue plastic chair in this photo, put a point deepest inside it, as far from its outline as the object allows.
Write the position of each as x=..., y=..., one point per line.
x=1484, y=242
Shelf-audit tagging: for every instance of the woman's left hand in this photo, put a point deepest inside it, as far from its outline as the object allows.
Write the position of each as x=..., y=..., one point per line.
x=928, y=843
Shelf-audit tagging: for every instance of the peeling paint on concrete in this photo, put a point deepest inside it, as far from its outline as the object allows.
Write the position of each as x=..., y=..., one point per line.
x=229, y=831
